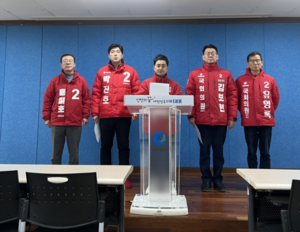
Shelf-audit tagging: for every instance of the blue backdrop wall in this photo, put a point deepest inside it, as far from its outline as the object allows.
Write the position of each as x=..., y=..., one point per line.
x=29, y=59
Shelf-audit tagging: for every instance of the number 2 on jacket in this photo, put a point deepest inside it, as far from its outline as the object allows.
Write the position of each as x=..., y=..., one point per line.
x=76, y=94
x=127, y=76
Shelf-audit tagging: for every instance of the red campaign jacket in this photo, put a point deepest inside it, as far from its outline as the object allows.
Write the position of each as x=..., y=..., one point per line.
x=215, y=95
x=109, y=89
x=67, y=103
x=145, y=86
x=145, y=89
x=258, y=99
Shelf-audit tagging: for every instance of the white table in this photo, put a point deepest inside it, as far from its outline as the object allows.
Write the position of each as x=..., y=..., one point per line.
x=265, y=179
x=106, y=175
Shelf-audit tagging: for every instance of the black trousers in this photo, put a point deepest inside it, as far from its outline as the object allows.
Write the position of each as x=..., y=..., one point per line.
x=58, y=135
x=263, y=134
x=108, y=128
x=212, y=137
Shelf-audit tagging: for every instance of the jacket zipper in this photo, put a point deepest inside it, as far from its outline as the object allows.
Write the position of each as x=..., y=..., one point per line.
x=255, y=100
x=66, y=104
x=214, y=86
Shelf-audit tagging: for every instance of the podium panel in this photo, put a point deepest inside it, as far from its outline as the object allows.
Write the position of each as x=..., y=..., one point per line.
x=159, y=165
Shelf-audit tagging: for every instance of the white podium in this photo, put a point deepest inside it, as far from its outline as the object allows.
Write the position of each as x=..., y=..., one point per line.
x=160, y=127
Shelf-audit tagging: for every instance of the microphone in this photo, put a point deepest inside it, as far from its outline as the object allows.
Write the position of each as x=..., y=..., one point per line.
x=185, y=93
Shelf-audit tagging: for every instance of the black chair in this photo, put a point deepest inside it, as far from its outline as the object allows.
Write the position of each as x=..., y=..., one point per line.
x=291, y=218
x=64, y=201
x=9, y=201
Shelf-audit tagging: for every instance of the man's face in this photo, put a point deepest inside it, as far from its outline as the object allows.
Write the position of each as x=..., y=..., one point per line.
x=115, y=55
x=210, y=56
x=160, y=68
x=255, y=63
x=68, y=64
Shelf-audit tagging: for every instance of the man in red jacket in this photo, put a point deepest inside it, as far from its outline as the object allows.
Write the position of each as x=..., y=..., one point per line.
x=215, y=99
x=66, y=107
x=160, y=67
x=112, y=82
x=161, y=64
x=258, y=96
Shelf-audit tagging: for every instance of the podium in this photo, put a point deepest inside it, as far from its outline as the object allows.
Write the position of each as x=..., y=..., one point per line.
x=159, y=137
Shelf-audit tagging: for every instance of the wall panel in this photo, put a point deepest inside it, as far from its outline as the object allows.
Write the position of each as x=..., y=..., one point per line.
x=2, y=69
x=21, y=95
x=282, y=52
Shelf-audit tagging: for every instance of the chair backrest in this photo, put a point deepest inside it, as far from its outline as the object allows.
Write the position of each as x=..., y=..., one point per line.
x=294, y=206
x=62, y=200
x=9, y=196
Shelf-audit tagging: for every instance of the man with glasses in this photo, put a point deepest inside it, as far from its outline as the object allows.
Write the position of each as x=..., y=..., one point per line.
x=112, y=82
x=215, y=107
x=258, y=96
x=66, y=107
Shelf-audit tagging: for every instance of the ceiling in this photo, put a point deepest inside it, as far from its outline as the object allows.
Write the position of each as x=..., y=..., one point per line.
x=145, y=9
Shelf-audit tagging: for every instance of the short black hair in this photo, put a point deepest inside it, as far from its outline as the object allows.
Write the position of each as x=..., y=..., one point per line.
x=66, y=55
x=161, y=57
x=209, y=46
x=114, y=45
x=253, y=54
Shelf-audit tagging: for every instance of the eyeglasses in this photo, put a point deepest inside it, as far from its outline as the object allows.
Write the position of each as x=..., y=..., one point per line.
x=210, y=53
x=254, y=61
x=161, y=66
x=67, y=61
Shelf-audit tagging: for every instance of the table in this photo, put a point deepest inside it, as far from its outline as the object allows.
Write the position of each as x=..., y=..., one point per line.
x=265, y=179
x=106, y=175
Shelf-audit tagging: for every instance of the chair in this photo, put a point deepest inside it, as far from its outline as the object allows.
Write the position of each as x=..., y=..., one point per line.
x=291, y=218
x=64, y=201
x=9, y=201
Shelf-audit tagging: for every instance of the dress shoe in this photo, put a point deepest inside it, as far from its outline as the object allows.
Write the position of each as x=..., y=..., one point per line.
x=219, y=186
x=205, y=187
